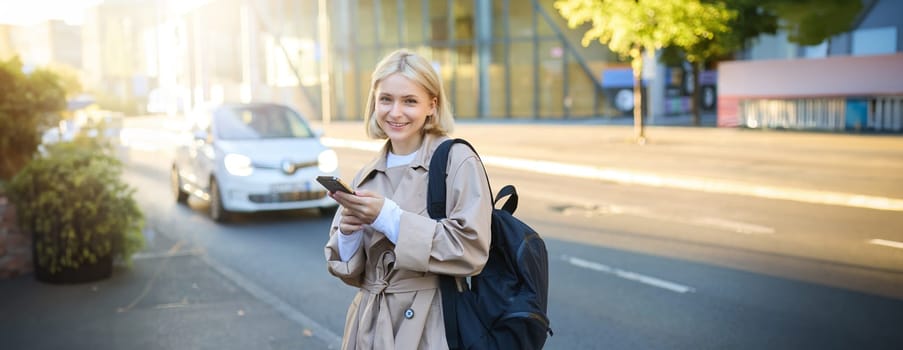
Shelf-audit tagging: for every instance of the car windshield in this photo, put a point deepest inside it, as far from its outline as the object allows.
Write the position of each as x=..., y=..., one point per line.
x=259, y=122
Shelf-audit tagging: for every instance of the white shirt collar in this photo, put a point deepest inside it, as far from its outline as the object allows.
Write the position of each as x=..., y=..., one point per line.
x=394, y=160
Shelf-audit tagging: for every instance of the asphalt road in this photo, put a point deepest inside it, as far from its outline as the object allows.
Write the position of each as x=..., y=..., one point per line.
x=632, y=266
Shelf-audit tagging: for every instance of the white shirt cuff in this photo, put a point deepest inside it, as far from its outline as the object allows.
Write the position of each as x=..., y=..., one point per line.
x=348, y=244
x=389, y=220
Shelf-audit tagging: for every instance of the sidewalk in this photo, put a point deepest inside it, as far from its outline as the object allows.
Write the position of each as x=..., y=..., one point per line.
x=815, y=167
x=169, y=299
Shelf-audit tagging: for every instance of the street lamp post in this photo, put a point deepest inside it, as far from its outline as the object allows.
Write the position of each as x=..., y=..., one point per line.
x=325, y=64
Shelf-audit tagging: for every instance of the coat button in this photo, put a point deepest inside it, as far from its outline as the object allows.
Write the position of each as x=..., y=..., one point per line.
x=409, y=314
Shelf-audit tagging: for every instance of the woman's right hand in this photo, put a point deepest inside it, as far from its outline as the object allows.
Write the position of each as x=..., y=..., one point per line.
x=353, y=207
x=364, y=206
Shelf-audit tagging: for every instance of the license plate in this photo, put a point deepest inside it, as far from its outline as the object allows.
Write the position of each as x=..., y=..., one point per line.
x=290, y=187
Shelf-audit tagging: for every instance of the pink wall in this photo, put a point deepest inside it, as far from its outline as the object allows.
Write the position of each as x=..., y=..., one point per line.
x=838, y=76
x=833, y=76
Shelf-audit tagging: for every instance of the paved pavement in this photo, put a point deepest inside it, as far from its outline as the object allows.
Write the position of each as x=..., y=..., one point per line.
x=170, y=299
x=173, y=299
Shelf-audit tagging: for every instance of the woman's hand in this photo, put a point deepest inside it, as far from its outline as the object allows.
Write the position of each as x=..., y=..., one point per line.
x=358, y=209
x=350, y=224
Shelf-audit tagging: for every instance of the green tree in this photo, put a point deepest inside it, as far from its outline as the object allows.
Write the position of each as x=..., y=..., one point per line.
x=750, y=22
x=634, y=28
x=29, y=104
x=810, y=22
x=69, y=79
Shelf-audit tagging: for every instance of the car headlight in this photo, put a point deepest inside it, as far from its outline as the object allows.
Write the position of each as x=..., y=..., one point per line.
x=328, y=161
x=238, y=165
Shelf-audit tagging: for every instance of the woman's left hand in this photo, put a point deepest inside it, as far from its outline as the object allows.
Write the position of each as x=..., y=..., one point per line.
x=363, y=204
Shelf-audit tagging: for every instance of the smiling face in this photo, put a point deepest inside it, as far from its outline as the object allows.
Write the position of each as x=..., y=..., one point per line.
x=402, y=107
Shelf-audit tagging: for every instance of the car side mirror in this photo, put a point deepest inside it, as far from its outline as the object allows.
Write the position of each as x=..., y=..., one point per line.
x=319, y=133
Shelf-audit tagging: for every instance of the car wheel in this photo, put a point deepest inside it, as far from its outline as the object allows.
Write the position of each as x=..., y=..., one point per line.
x=176, y=183
x=217, y=212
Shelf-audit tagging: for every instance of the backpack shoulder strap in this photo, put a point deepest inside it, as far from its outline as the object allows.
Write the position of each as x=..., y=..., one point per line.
x=437, y=186
x=436, y=207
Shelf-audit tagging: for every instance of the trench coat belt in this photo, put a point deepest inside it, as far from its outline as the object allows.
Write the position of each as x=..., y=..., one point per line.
x=408, y=334
x=402, y=286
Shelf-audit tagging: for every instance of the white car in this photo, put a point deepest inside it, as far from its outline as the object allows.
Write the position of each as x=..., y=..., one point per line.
x=101, y=125
x=253, y=157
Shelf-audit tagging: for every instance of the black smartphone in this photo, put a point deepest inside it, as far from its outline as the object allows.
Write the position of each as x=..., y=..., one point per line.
x=334, y=184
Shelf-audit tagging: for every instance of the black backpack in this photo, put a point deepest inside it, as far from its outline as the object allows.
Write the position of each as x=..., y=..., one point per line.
x=505, y=305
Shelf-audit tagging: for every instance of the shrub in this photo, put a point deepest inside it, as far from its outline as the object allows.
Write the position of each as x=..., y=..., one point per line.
x=74, y=203
x=29, y=104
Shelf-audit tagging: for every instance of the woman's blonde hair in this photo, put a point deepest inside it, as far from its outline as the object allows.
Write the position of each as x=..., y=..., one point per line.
x=418, y=70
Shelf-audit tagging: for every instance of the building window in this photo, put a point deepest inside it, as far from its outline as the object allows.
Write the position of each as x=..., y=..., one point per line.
x=875, y=41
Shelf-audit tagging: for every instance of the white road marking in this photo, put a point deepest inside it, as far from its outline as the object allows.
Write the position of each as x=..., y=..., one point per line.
x=735, y=226
x=698, y=184
x=633, y=276
x=164, y=255
x=668, y=181
x=886, y=243
x=181, y=304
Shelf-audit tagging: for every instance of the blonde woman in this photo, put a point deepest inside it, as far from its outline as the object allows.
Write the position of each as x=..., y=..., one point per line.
x=382, y=239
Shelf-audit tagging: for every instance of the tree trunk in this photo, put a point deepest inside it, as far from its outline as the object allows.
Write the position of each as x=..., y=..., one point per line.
x=637, y=64
x=696, y=67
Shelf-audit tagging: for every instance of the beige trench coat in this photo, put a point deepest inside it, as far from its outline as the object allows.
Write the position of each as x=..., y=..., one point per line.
x=398, y=305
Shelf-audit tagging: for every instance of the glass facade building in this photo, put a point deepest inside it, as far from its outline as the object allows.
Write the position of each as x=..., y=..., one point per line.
x=498, y=58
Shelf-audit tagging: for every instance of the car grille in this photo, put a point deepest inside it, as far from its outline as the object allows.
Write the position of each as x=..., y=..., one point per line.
x=286, y=197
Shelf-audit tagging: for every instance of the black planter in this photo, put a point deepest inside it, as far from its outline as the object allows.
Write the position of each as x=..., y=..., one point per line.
x=101, y=269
